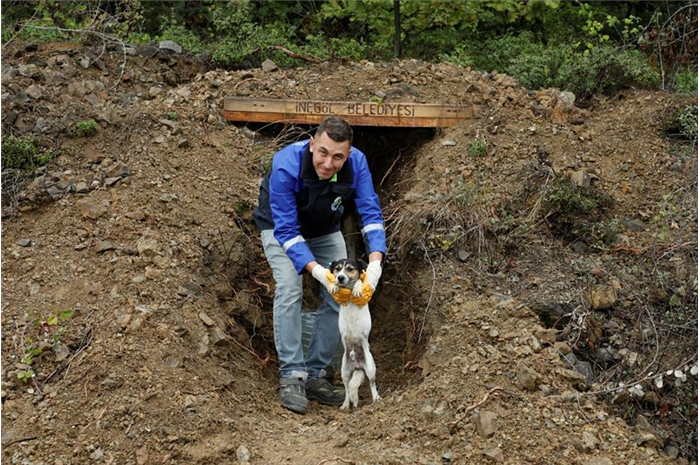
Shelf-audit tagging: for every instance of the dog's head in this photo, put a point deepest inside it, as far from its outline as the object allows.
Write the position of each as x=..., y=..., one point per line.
x=347, y=271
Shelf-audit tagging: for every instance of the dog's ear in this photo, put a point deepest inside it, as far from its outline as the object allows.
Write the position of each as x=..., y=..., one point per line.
x=362, y=264
x=332, y=265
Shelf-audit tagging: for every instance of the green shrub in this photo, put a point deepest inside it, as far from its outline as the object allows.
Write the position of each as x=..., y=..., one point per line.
x=579, y=213
x=683, y=123
x=686, y=82
x=86, y=128
x=172, y=116
x=21, y=153
x=171, y=29
x=478, y=147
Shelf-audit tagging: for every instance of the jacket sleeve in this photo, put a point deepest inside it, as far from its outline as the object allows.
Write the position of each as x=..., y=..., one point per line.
x=283, y=180
x=371, y=221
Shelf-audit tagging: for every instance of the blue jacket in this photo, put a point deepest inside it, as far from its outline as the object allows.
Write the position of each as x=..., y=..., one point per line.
x=297, y=205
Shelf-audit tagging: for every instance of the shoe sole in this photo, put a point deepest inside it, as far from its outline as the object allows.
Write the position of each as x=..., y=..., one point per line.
x=324, y=400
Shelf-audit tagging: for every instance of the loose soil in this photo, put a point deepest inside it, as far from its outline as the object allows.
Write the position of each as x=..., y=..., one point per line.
x=144, y=231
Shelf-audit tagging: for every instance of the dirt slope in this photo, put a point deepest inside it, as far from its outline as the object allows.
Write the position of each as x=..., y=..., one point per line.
x=144, y=232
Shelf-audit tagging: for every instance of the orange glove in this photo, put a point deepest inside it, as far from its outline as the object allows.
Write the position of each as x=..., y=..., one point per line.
x=344, y=295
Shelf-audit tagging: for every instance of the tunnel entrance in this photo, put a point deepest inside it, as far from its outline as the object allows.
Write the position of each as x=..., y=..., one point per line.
x=390, y=155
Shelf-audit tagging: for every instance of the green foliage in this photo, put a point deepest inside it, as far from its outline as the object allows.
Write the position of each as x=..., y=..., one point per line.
x=683, y=123
x=21, y=153
x=478, y=147
x=48, y=332
x=686, y=82
x=173, y=30
x=86, y=128
x=579, y=213
x=172, y=116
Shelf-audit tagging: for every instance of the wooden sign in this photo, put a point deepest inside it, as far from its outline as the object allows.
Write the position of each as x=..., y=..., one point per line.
x=356, y=113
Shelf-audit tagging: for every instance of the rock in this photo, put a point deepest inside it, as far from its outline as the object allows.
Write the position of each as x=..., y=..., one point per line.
x=671, y=451
x=562, y=347
x=24, y=243
x=528, y=379
x=606, y=355
x=109, y=182
x=574, y=377
x=494, y=454
x=589, y=441
x=448, y=143
x=486, y=423
x=463, y=255
x=342, y=441
x=147, y=245
x=183, y=143
x=118, y=169
x=206, y=319
x=90, y=208
x=170, y=46
x=552, y=314
x=104, y=246
x=447, y=457
x=35, y=92
x=269, y=66
x=634, y=225
x=581, y=178
x=148, y=51
x=602, y=297
x=242, y=453
x=599, y=461
x=218, y=337
x=585, y=369
x=137, y=215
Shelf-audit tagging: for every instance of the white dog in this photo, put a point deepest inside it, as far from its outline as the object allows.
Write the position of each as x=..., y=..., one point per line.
x=355, y=324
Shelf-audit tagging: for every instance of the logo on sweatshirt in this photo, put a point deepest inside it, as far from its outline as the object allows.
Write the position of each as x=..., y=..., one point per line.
x=336, y=203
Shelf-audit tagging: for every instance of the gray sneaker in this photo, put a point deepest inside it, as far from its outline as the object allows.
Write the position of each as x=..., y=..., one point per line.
x=322, y=390
x=293, y=394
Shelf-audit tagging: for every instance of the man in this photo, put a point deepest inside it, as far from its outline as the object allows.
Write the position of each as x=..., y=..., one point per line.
x=301, y=205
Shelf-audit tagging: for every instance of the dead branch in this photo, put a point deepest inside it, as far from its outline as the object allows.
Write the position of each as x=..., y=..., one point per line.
x=296, y=55
x=468, y=410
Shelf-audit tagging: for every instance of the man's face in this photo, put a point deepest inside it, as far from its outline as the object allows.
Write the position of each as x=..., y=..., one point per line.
x=329, y=156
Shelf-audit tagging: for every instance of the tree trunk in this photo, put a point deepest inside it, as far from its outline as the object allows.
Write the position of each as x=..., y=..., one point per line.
x=397, y=29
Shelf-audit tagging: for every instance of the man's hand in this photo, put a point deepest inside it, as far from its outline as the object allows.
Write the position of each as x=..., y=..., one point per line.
x=374, y=272
x=320, y=273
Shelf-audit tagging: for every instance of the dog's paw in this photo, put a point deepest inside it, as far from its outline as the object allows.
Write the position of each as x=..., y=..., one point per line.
x=376, y=400
x=345, y=406
x=333, y=288
x=357, y=289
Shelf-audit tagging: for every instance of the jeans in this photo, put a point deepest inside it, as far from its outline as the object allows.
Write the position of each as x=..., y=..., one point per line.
x=286, y=312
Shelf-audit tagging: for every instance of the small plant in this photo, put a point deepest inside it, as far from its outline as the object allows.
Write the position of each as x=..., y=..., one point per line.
x=86, y=128
x=576, y=212
x=171, y=115
x=683, y=123
x=48, y=335
x=478, y=147
x=18, y=153
x=686, y=82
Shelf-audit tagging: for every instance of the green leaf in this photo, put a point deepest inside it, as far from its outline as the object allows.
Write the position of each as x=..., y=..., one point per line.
x=66, y=315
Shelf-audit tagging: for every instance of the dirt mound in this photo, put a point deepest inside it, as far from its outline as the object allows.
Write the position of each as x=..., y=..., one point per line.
x=143, y=232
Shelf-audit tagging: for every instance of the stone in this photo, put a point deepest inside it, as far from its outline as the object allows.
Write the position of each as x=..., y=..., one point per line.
x=599, y=461
x=24, y=243
x=90, y=208
x=634, y=225
x=147, y=245
x=528, y=379
x=206, y=319
x=486, y=423
x=104, y=246
x=243, y=453
x=602, y=297
x=494, y=454
x=269, y=66
x=170, y=46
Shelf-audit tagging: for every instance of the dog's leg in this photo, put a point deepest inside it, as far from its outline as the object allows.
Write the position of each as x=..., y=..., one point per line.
x=371, y=372
x=354, y=387
x=357, y=288
x=346, y=374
